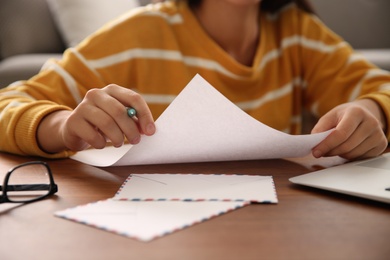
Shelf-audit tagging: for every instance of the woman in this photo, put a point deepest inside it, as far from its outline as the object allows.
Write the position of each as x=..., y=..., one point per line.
x=272, y=58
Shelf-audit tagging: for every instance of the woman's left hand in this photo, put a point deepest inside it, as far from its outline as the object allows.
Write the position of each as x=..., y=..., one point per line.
x=358, y=131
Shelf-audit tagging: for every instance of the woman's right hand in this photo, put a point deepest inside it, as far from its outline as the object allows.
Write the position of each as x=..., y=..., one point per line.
x=99, y=118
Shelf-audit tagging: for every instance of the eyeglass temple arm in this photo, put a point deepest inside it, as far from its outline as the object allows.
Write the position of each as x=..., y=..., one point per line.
x=27, y=187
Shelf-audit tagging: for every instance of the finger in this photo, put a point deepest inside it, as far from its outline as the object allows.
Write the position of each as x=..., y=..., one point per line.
x=97, y=110
x=376, y=151
x=372, y=146
x=132, y=99
x=108, y=126
x=353, y=141
x=327, y=122
x=79, y=134
x=362, y=151
x=116, y=123
x=337, y=137
x=365, y=137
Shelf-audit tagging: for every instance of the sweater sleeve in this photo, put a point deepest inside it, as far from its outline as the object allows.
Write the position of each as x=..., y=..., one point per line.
x=24, y=104
x=109, y=56
x=60, y=85
x=335, y=73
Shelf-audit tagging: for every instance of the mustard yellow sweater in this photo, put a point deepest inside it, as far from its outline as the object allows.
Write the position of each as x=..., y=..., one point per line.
x=157, y=49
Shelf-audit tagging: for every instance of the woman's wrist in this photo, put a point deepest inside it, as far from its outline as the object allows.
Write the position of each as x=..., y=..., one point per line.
x=49, y=135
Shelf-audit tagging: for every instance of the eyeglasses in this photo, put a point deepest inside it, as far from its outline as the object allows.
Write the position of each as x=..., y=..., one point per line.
x=28, y=182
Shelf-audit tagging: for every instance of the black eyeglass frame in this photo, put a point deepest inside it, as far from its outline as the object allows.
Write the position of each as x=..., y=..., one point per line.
x=51, y=187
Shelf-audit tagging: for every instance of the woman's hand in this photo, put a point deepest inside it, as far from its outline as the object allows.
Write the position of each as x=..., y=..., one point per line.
x=359, y=131
x=99, y=118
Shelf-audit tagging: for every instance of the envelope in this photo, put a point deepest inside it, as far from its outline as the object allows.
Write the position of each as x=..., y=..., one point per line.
x=146, y=221
x=198, y=187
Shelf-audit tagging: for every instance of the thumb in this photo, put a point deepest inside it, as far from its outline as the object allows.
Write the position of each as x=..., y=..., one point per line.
x=327, y=122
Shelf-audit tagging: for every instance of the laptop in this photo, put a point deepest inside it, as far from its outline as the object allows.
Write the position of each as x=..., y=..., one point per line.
x=368, y=179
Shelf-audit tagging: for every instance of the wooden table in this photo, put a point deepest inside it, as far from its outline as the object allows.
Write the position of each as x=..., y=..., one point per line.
x=305, y=224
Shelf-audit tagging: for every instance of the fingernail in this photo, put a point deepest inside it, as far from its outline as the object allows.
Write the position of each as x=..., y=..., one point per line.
x=118, y=145
x=150, y=129
x=317, y=153
x=136, y=140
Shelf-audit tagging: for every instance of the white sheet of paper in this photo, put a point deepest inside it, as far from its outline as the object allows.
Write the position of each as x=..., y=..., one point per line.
x=203, y=125
x=198, y=187
x=146, y=220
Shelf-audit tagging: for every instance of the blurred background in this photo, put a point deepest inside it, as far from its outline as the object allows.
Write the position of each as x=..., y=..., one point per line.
x=32, y=31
